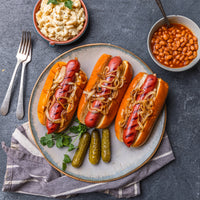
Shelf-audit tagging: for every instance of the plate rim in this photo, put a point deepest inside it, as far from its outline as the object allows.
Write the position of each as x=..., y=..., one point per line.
x=65, y=173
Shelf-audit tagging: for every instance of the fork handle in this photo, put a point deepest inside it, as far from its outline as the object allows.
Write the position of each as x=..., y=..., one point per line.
x=20, y=103
x=163, y=12
x=6, y=102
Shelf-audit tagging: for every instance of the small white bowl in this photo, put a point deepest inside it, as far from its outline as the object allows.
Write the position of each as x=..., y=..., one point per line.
x=177, y=19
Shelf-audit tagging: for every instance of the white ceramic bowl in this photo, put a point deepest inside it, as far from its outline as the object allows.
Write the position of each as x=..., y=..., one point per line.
x=178, y=19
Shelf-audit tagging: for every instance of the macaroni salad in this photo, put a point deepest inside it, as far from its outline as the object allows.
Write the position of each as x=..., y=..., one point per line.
x=58, y=22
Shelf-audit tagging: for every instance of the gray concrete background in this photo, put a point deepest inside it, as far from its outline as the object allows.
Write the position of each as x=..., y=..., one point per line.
x=124, y=23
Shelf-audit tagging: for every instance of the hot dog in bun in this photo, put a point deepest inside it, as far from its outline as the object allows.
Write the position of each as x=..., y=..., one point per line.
x=60, y=95
x=104, y=91
x=140, y=108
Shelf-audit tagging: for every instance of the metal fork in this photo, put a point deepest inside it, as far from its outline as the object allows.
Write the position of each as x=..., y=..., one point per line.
x=20, y=105
x=21, y=56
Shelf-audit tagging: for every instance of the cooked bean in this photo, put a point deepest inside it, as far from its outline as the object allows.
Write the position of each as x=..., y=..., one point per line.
x=192, y=48
x=191, y=41
x=178, y=44
x=166, y=52
x=170, y=41
x=182, y=44
x=178, y=35
x=195, y=54
x=168, y=57
x=167, y=49
x=184, y=49
x=165, y=37
x=161, y=58
x=161, y=54
x=189, y=53
x=189, y=36
x=157, y=46
x=175, y=46
x=191, y=57
x=166, y=63
x=174, y=61
x=157, y=40
x=185, y=39
x=181, y=40
x=153, y=40
x=155, y=52
x=186, y=62
x=169, y=45
x=173, y=32
x=183, y=33
x=179, y=49
x=181, y=58
x=194, y=38
x=158, y=57
x=162, y=43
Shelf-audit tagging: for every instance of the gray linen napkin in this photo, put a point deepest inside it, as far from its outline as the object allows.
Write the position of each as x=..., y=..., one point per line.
x=29, y=173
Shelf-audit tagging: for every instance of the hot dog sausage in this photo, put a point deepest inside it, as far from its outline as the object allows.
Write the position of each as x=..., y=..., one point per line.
x=91, y=118
x=130, y=132
x=63, y=90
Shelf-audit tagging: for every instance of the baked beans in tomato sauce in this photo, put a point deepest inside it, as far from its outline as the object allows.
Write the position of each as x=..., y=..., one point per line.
x=175, y=46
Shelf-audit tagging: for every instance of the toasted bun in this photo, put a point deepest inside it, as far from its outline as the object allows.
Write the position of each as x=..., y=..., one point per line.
x=44, y=97
x=98, y=69
x=161, y=95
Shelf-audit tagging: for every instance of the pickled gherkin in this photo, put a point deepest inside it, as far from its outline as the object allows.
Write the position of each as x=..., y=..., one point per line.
x=95, y=145
x=105, y=145
x=81, y=151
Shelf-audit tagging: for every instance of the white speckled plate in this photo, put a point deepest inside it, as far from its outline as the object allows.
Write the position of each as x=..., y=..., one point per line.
x=124, y=160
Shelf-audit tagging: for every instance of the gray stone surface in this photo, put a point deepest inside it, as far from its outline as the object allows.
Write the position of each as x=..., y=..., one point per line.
x=124, y=23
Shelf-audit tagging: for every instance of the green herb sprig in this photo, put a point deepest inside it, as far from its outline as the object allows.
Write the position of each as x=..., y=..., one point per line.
x=68, y=3
x=66, y=160
x=64, y=139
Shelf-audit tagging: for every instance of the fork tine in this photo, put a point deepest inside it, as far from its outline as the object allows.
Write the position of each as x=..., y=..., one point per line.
x=30, y=51
x=28, y=41
x=25, y=44
x=21, y=42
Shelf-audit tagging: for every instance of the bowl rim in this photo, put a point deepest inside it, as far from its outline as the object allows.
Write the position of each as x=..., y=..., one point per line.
x=54, y=42
x=174, y=69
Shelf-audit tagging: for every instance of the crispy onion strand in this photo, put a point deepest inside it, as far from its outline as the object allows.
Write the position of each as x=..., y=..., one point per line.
x=70, y=97
x=145, y=108
x=112, y=86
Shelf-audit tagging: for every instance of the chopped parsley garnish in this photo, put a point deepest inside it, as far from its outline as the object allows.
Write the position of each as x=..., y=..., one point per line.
x=68, y=3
